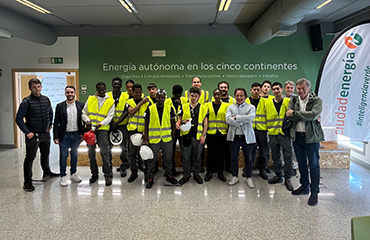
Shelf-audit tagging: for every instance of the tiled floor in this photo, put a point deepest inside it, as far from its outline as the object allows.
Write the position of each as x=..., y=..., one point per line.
x=213, y=210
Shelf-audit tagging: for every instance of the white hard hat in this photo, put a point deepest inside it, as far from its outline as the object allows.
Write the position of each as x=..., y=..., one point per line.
x=136, y=139
x=116, y=137
x=146, y=153
x=186, y=125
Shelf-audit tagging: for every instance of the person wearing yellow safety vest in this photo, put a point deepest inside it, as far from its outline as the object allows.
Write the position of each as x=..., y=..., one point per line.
x=260, y=130
x=192, y=140
x=275, y=112
x=204, y=95
x=175, y=102
x=98, y=111
x=159, y=129
x=216, y=136
x=240, y=117
x=118, y=123
x=136, y=108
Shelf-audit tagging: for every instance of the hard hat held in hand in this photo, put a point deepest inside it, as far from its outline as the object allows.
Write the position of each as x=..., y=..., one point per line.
x=90, y=137
x=185, y=125
x=146, y=153
x=116, y=137
x=136, y=139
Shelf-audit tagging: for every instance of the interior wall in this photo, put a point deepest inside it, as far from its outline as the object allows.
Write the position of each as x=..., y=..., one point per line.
x=21, y=54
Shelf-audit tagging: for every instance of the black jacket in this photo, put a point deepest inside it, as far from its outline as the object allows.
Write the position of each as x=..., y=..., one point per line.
x=60, y=120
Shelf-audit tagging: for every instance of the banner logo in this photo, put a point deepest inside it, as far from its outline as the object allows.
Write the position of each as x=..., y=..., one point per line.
x=353, y=42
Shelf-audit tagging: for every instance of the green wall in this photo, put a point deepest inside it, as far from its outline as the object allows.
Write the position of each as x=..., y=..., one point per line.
x=131, y=58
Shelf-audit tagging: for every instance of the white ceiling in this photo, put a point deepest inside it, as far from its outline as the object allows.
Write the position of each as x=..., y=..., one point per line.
x=169, y=12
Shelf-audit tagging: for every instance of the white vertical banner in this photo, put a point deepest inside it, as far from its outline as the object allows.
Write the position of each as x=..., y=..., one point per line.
x=343, y=85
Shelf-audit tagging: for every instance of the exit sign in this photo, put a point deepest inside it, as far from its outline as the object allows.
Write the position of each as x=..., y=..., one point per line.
x=56, y=60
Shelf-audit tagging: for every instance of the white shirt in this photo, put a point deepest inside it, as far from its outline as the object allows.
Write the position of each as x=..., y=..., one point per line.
x=301, y=126
x=71, y=117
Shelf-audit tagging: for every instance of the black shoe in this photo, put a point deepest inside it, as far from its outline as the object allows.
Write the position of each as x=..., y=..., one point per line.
x=221, y=176
x=208, y=177
x=289, y=185
x=28, y=187
x=184, y=180
x=198, y=179
x=93, y=178
x=123, y=173
x=141, y=166
x=275, y=180
x=171, y=179
x=51, y=174
x=263, y=174
x=149, y=183
x=108, y=181
x=132, y=177
x=300, y=191
x=312, y=201
x=268, y=170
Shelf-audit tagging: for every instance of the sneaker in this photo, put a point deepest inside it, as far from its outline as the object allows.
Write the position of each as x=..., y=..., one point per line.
x=50, y=174
x=28, y=187
x=250, y=183
x=171, y=179
x=289, y=185
x=184, y=180
x=198, y=179
x=132, y=177
x=208, y=177
x=76, y=178
x=149, y=183
x=63, y=181
x=221, y=176
x=123, y=173
x=275, y=180
x=108, y=181
x=93, y=178
x=300, y=191
x=234, y=180
x=312, y=201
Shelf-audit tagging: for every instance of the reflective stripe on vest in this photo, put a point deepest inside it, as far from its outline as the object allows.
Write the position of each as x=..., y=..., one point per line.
x=159, y=131
x=217, y=122
x=259, y=122
x=275, y=119
x=120, y=107
x=97, y=115
x=137, y=121
x=169, y=102
x=186, y=115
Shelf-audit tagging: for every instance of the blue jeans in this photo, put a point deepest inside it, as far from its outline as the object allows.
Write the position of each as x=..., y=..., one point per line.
x=70, y=140
x=239, y=141
x=308, y=151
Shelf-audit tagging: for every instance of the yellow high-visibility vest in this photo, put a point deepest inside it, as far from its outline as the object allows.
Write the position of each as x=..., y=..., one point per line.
x=204, y=96
x=120, y=107
x=186, y=115
x=159, y=131
x=275, y=119
x=137, y=121
x=217, y=122
x=169, y=102
x=259, y=122
x=97, y=115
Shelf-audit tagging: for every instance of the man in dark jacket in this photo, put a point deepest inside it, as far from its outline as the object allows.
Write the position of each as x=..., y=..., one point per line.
x=68, y=130
x=37, y=111
x=306, y=133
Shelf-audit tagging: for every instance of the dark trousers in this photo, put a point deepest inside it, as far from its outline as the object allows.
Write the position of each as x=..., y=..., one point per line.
x=194, y=151
x=92, y=157
x=71, y=140
x=124, y=147
x=174, y=142
x=278, y=143
x=308, y=151
x=105, y=153
x=166, y=157
x=263, y=149
x=42, y=141
x=215, y=152
x=239, y=141
x=133, y=156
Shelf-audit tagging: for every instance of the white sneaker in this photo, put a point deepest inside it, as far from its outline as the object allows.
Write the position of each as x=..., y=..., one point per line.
x=233, y=181
x=250, y=183
x=76, y=178
x=63, y=181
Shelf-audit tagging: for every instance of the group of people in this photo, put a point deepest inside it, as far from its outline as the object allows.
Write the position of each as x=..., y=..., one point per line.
x=223, y=123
